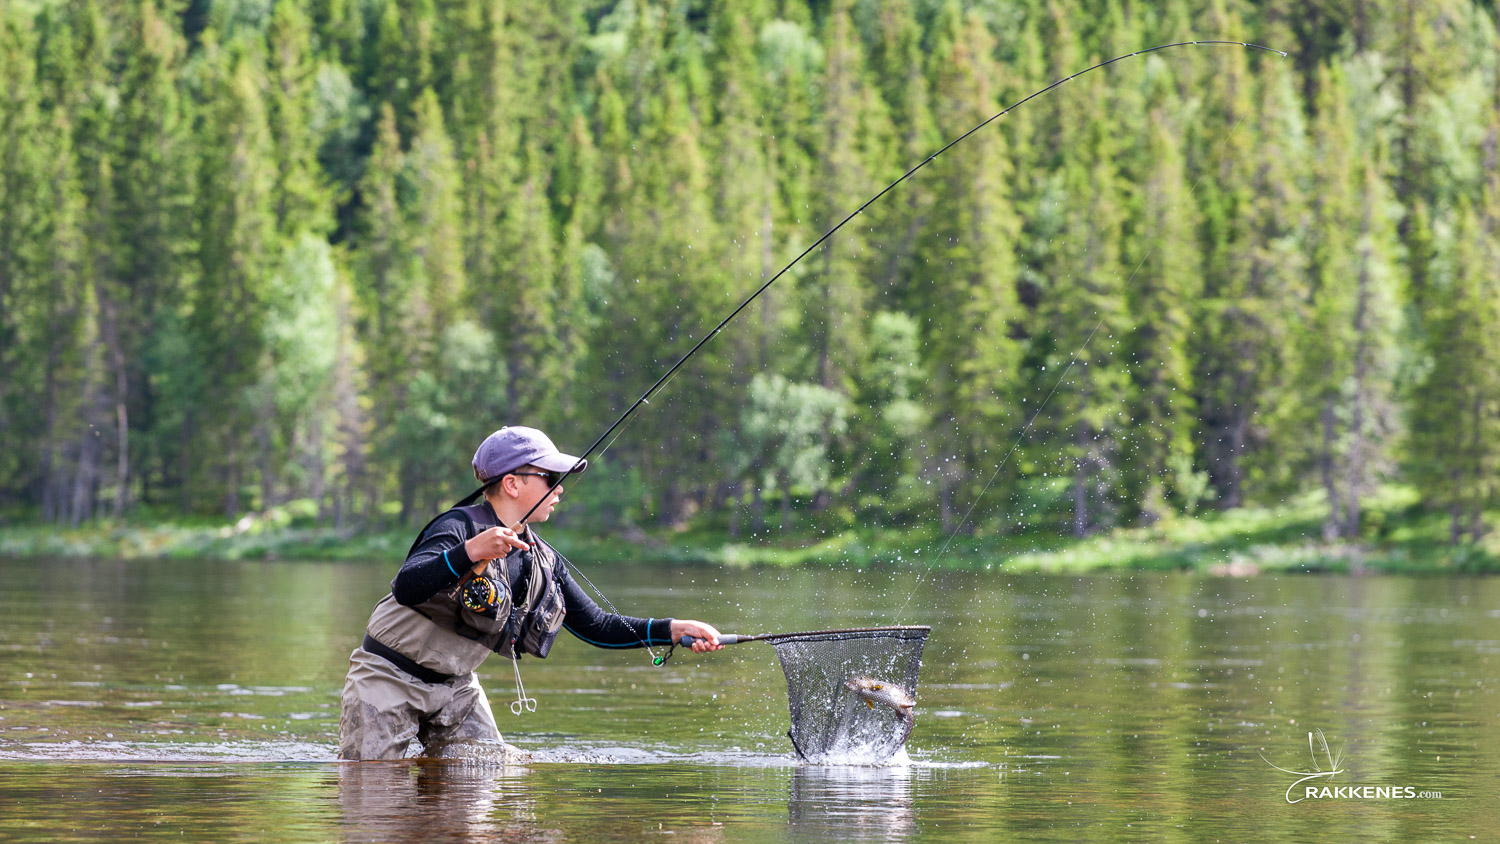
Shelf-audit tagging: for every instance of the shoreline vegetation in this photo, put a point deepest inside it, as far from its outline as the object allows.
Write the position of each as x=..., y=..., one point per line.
x=1401, y=538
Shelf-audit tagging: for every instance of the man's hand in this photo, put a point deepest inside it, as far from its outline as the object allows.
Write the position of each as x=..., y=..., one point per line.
x=492, y=544
x=705, y=638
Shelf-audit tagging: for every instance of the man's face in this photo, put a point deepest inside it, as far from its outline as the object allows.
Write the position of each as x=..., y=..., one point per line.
x=532, y=487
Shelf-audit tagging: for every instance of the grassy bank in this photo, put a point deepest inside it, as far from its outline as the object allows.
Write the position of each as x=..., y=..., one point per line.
x=1398, y=538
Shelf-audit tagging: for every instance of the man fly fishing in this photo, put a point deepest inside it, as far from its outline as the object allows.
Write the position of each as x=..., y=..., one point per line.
x=478, y=580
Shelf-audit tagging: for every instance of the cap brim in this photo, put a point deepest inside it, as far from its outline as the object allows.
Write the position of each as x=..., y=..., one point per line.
x=560, y=462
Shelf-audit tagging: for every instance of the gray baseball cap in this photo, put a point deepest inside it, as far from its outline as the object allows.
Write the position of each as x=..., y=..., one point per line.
x=514, y=446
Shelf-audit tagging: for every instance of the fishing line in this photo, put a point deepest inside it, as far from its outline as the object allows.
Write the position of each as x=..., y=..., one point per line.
x=660, y=382
x=1026, y=429
x=644, y=640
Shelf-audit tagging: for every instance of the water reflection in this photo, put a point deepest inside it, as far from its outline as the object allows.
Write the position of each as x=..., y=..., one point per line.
x=864, y=803
x=427, y=800
x=155, y=697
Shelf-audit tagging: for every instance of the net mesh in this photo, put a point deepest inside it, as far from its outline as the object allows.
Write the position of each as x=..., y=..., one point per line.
x=830, y=722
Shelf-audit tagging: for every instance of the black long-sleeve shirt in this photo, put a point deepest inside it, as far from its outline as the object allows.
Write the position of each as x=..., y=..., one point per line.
x=439, y=561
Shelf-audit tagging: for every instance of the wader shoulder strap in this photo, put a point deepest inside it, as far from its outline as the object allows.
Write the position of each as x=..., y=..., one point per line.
x=480, y=517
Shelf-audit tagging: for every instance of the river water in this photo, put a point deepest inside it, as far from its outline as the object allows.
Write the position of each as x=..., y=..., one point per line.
x=199, y=700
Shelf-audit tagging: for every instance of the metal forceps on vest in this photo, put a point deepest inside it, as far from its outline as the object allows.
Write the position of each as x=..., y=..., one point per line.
x=522, y=702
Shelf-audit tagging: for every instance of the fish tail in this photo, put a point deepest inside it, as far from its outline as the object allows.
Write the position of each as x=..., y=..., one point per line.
x=908, y=720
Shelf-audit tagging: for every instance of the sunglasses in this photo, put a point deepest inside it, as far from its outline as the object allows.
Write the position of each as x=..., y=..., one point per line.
x=552, y=478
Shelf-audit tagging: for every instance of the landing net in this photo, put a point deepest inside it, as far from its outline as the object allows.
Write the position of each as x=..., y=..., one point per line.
x=831, y=723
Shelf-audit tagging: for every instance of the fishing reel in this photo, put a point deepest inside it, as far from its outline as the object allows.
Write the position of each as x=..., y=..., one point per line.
x=479, y=594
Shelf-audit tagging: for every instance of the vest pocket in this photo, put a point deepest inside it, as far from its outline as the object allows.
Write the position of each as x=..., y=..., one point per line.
x=542, y=626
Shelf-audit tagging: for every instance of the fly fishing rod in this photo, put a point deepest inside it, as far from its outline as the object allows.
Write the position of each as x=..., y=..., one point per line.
x=667, y=376
x=900, y=631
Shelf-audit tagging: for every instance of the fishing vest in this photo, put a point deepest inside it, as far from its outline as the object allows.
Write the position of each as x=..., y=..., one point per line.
x=444, y=635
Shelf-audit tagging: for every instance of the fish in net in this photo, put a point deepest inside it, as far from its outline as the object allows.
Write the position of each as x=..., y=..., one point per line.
x=852, y=693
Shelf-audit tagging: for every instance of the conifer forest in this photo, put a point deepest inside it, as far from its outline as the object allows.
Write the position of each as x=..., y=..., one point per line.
x=255, y=252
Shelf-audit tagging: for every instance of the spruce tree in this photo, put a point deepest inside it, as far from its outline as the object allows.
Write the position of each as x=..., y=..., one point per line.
x=900, y=65
x=525, y=289
x=1346, y=359
x=84, y=368
x=581, y=268
x=236, y=249
x=64, y=339
x=382, y=287
x=436, y=293
x=836, y=295
x=302, y=199
x=1254, y=305
x=1239, y=307
x=1455, y=431
x=485, y=138
x=966, y=280
x=1455, y=410
x=154, y=167
x=21, y=180
x=1167, y=282
x=1080, y=316
x=670, y=293
x=435, y=230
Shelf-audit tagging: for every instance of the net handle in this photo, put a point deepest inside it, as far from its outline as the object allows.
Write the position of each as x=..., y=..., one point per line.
x=724, y=639
x=736, y=638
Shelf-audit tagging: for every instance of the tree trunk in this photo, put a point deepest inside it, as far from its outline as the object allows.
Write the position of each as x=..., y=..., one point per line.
x=145, y=418
x=1359, y=459
x=1331, y=528
x=1080, y=488
x=317, y=488
x=109, y=325
x=821, y=499
x=90, y=452
x=263, y=459
x=408, y=495
x=671, y=505
x=87, y=470
x=1238, y=434
x=51, y=500
x=1478, y=494
x=757, y=509
x=734, y=509
x=185, y=464
x=232, y=494
x=122, y=460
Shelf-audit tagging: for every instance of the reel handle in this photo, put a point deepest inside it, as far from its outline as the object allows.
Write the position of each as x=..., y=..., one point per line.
x=724, y=639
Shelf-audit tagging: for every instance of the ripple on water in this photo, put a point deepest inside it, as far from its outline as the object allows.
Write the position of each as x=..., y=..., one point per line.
x=563, y=754
x=145, y=751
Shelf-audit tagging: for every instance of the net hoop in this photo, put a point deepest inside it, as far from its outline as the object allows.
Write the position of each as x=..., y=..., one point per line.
x=905, y=631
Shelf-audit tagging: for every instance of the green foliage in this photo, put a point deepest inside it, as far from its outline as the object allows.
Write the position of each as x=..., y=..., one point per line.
x=255, y=252
x=786, y=430
x=1456, y=420
x=237, y=252
x=301, y=346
